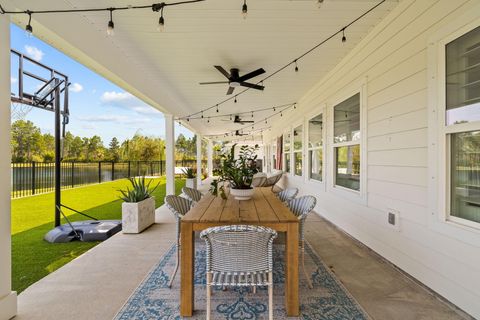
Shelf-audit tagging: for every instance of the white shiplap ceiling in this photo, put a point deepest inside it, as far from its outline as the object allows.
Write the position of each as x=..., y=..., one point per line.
x=164, y=68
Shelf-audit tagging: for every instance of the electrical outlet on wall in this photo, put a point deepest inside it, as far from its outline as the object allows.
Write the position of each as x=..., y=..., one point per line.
x=393, y=219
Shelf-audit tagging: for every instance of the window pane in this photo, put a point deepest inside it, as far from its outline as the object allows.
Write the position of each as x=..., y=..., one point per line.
x=463, y=78
x=347, y=120
x=286, y=142
x=465, y=175
x=287, y=162
x=315, y=128
x=298, y=163
x=297, y=138
x=315, y=164
x=348, y=167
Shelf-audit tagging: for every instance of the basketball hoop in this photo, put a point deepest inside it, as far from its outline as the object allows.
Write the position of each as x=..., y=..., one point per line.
x=20, y=111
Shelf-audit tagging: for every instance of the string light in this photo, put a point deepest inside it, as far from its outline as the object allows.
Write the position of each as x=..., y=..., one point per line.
x=111, y=25
x=252, y=114
x=157, y=7
x=217, y=108
x=202, y=114
x=296, y=66
x=161, y=22
x=244, y=9
x=319, y=3
x=294, y=106
x=235, y=99
x=344, y=39
x=28, y=28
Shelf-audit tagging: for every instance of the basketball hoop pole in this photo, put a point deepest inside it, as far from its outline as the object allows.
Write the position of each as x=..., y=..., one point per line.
x=57, y=152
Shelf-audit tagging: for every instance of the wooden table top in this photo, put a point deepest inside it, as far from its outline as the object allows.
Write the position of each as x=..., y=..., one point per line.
x=264, y=206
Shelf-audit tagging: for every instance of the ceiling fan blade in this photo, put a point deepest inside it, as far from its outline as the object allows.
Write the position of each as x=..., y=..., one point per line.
x=250, y=75
x=230, y=90
x=223, y=71
x=214, y=82
x=251, y=85
x=245, y=121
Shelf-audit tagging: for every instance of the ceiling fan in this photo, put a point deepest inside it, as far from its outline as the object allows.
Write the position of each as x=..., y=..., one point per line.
x=235, y=80
x=237, y=119
x=237, y=133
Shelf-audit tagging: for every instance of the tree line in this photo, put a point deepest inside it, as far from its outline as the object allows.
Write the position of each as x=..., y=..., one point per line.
x=28, y=144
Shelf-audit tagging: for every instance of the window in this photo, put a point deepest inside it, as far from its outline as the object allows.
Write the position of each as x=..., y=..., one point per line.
x=346, y=143
x=297, y=150
x=286, y=151
x=462, y=125
x=315, y=148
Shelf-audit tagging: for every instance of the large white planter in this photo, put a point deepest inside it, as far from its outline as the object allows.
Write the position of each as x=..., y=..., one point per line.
x=137, y=216
x=191, y=183
x=242, y=194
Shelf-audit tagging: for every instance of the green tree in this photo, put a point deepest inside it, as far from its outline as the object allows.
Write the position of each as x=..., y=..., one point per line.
x=25, y=141
x=114, y=149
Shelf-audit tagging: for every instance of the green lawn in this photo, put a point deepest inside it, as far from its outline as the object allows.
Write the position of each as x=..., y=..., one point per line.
x=32, y=217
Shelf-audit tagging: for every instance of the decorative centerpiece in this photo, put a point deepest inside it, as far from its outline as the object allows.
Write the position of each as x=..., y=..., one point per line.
x=138, y=208
x=191, y=177
x=239, y=172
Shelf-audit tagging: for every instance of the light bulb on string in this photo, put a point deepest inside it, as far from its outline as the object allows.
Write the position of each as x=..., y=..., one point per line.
x=202, y=114
x=244, y=9
x=344, y=38
x=294, y=106
x=28, y=27
x=319, y=3
x=252, y=114
x=161, y=23
x=111, y=25
x=217, y=108
x=235, y=99
x=296, y=66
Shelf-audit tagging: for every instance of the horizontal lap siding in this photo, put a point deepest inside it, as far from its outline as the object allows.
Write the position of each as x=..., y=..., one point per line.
x=393, y=60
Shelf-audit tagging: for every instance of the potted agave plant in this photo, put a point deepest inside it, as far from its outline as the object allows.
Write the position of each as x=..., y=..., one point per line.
x=138, y=208
x=239, y=172
x=191, y=177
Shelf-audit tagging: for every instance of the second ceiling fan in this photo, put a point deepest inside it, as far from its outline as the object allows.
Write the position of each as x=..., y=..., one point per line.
x=235, y=80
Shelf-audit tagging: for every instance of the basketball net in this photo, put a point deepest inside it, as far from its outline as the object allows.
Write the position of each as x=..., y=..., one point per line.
x=20, y=111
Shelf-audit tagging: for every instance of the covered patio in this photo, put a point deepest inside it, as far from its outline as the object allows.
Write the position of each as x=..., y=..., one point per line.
x=355, y=106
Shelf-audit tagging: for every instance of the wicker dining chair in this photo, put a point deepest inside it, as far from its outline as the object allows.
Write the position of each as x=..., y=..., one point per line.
x=287, y=194
x=192, y=194
x=273, y=180
x=179, y=207
x=301, y=207
x=259, y=181
x=239, y=255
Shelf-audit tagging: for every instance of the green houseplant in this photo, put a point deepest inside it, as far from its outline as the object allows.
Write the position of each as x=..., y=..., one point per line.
x=239, y=171
x=138, y=208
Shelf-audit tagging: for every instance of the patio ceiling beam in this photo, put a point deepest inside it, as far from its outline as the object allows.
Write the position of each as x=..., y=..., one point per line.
x=8, y=299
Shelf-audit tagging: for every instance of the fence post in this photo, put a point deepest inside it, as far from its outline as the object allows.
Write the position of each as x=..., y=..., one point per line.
x=99, y=172
x=161, y=167
x=33, y=177
x=129, y=168
x=73, y=174
x=113, y=170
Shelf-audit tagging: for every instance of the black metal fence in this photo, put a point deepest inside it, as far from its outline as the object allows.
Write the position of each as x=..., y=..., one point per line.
x=39, y=177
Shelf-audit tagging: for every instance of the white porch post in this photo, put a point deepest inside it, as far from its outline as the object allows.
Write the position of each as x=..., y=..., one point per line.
x=8, y=299
x=199, y=159
x=170, y=153
x=210, y=158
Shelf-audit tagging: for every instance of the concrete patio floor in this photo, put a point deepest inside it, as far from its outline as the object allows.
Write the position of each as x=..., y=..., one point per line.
x=97, y=284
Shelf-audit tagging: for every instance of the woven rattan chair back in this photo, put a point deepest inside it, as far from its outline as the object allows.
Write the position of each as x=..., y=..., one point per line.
x=259, y=181
x=192, y=194
x=287, y=194
x=273, y=180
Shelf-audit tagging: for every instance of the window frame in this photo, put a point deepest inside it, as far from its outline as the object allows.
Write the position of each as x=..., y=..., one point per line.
x=301, y=150
x=359, y=196
x=321, y=110
x=289, y=152
x=440, y=132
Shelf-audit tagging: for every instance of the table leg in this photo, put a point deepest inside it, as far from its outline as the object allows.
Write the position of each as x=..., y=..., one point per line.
x=291, y=272
x=187, y=269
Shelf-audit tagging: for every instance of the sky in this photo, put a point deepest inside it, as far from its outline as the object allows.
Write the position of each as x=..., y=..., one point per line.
x=97, y=106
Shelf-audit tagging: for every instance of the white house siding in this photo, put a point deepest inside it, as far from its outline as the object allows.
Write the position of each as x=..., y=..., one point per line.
x=392, y=62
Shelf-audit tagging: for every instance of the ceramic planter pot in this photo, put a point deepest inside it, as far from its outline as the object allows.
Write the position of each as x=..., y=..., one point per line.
x=137, y=216
x=242, y=194
x=191, y=183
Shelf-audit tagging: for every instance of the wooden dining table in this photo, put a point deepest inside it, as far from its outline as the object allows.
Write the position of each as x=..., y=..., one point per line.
x=263, y=209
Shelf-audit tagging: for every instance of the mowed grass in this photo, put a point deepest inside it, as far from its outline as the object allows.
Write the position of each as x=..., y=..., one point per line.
x=32, y=217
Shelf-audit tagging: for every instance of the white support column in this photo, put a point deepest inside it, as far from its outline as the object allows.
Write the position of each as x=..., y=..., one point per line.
x=210, y=158
x=199, y=159
x=8, y=299
x=170, y=153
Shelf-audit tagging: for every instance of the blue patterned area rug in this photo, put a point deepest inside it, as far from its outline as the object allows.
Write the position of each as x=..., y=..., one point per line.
x=328, y=299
